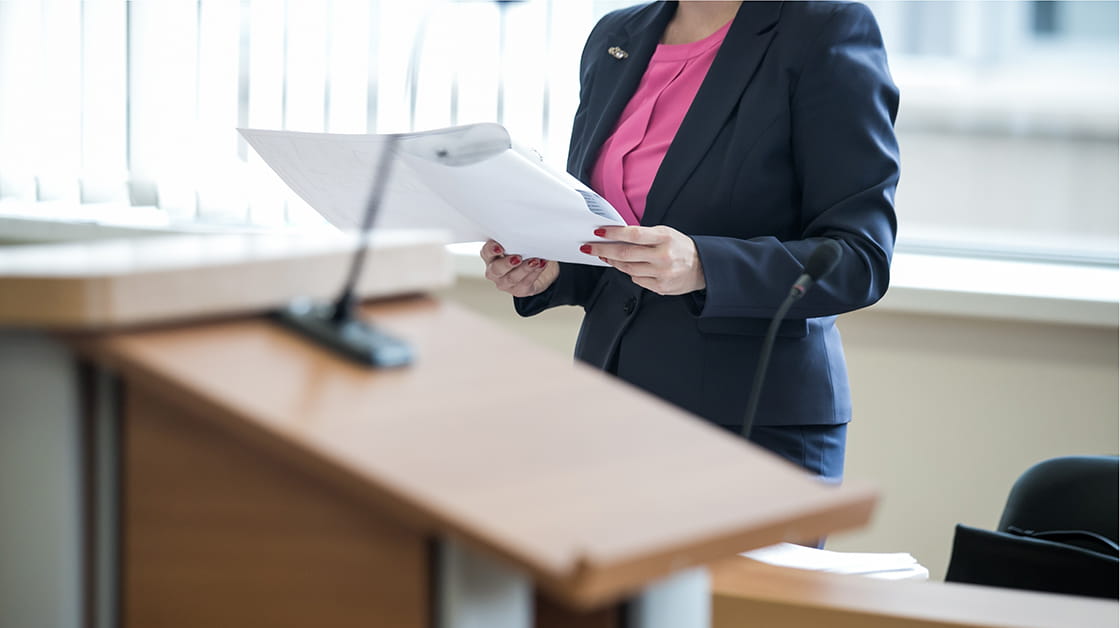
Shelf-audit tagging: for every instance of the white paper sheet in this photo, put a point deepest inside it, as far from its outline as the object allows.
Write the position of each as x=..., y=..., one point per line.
x=470, y=181
x=889, y=566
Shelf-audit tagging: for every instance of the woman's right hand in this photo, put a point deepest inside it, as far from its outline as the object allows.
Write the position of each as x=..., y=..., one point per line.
x=510, y=273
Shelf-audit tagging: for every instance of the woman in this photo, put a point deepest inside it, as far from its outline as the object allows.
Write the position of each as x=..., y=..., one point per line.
x=734, y=137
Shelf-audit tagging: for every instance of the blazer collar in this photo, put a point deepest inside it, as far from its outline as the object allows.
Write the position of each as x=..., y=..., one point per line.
x=638, y=37
x=732, y=70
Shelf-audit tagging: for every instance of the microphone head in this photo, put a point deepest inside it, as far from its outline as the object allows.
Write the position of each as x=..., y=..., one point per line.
x=823, y=260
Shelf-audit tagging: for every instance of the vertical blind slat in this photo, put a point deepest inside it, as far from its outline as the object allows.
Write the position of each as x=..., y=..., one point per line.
x=444, y=47
x=476, y=37
x=20, y=69
x=306, y=65
x=57, y=154
x=568, y=25
x=266, y=102
x=305, y=81
x=219, y=170
x=373, y=79
x=398, y=21
x=104, y=170
x=525, y=56
x=138, y=102
x=348, y=67
x=162, y=104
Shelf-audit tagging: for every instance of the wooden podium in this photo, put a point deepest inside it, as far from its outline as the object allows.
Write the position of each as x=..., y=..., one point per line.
x=234, y=474
x=213, y=469
x=264, y=480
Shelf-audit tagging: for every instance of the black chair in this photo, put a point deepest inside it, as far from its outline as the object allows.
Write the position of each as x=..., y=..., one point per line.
x=1058, y=532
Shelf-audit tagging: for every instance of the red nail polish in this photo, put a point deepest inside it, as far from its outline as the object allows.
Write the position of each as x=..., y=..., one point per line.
x=600, y=232
x=497, y=249
x=586, y=248
x=533, y=263
x=515, y=260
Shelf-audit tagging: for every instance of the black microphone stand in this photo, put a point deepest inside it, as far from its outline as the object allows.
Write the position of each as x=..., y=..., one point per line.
x=336, y=325
x=821, y=262
x=764, y=358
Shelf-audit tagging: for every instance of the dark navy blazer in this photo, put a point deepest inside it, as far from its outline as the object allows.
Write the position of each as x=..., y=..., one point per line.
x=789, y=141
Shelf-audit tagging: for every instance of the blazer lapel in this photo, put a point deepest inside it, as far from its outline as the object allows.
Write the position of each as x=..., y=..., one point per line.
x=621, y=76
x=732, y=69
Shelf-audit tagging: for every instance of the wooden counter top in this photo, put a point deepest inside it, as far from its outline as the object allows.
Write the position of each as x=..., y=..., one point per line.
x=747, y=592
x=111, y=283
x=591, y=486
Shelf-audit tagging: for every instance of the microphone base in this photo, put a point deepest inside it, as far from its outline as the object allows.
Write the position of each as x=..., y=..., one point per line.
x=349, y=336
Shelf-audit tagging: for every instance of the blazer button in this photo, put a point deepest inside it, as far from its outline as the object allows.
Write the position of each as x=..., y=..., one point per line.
x=631, y=303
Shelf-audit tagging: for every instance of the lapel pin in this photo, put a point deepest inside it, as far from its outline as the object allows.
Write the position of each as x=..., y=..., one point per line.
x=617, y=53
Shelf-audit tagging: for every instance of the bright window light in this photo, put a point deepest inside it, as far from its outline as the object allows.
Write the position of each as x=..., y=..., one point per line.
x=1008, y=122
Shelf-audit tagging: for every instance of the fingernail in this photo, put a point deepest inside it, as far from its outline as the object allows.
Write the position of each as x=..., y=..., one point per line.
x=586, y=248
x=603, y=259
x=533, y=263
x=600, y=232
x=515, y=260
x=498, y=249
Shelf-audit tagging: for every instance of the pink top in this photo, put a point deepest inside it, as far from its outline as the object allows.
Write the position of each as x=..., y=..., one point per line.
x=632, y=154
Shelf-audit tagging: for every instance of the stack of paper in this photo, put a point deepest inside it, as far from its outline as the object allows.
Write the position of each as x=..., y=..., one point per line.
x=471, y=181
x=889, y=566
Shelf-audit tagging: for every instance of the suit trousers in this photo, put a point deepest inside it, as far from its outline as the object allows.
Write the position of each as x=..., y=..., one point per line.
x=818, y=449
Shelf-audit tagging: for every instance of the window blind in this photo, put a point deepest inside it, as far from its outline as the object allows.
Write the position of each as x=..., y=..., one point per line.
x=137, y=103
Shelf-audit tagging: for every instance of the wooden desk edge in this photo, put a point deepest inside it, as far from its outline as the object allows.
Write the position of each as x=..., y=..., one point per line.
x=743, y=588
x=590, y=584
x=166, y=293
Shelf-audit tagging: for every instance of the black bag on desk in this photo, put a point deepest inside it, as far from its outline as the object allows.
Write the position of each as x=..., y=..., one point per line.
x=1071, y=562
x=1073, y=502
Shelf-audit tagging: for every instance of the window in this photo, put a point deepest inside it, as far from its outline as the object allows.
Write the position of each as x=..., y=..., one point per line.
x=111, y=106
x=1008, y=127
x=1008, y=121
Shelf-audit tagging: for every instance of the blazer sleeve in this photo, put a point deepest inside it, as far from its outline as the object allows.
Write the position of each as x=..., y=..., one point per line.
x=846, y=166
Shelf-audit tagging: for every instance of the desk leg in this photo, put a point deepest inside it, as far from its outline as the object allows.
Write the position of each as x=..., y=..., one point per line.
x=41, y=496
x=682, y=600
x=103, y=477
x=474, y=590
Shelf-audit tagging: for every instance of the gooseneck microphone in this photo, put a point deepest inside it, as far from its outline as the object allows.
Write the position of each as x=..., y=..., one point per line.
x=821, y=262
x=336, y=325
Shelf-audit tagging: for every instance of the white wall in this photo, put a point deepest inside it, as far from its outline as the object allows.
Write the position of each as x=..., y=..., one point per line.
x=949, y=410
x=1050, y=194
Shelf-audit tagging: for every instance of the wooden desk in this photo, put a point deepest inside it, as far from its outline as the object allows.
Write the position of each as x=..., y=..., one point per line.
x=591, y=487
x=222, y=471
x=103, y=284
x=750, y=593
x=226, y=472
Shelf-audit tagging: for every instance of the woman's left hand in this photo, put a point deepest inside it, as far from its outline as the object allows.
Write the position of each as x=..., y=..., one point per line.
x=659, y=258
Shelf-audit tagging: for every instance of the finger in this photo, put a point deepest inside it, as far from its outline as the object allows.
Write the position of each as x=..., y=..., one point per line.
x=633, y=234
x=525, y=286
x=618, y=251
x=634, y=269
x=490, y=250
x=502, y=265
x=519, y=275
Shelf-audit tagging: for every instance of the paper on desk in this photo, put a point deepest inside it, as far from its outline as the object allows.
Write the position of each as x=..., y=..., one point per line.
x=470, y=181
x=890, y=566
